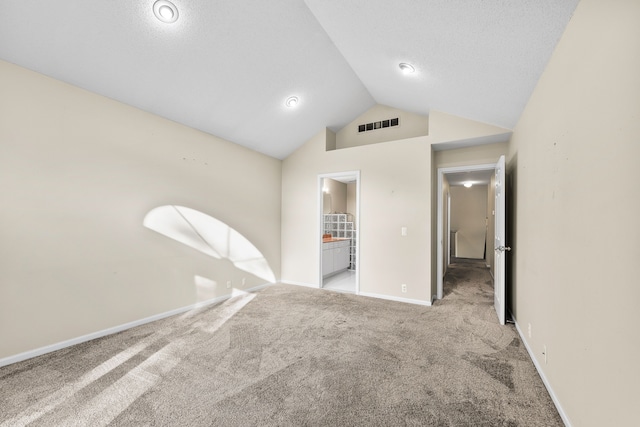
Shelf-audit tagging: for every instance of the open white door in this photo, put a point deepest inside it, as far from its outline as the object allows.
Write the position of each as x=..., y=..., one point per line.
x=499, y=244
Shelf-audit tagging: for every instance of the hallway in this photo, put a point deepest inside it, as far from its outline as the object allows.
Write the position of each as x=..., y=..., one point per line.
x=468, y=279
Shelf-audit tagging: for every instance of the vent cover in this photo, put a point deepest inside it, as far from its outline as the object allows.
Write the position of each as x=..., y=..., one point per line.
x=378, y=125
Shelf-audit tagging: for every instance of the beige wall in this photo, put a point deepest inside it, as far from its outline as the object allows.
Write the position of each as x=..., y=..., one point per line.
x=395, y=191
x=410, y=126
x=389, y=200
x=468, y=218
x=575, y=152
x=335, y=201
x=78, y=174
x=469, y=156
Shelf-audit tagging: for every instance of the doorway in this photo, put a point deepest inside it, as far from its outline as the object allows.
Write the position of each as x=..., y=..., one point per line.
x=338, y=234
x=474, y=175
x=494, y=252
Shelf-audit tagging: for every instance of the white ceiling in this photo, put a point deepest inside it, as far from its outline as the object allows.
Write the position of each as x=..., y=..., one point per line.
x=226, y=67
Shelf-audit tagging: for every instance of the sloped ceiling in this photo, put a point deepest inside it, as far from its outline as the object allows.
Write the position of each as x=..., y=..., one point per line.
x=226, y=67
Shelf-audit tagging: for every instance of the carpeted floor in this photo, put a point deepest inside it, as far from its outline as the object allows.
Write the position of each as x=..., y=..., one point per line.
x=292, y=356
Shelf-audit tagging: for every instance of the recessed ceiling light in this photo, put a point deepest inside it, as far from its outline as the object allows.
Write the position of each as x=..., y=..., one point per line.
x=406, y=68
x=291, y=101
x=165, y=11
x=468, y=184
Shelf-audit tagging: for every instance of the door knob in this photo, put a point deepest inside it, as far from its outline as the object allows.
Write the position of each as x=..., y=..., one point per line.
x=503, y=248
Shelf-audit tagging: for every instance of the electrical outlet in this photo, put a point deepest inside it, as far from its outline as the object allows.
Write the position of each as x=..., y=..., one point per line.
x=404, y=287
x=529, y=330
x=544, y=352
x=229, y=284
x=403, y=231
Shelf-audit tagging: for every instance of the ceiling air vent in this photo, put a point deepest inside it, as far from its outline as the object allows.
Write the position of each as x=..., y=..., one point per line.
x=378, y=125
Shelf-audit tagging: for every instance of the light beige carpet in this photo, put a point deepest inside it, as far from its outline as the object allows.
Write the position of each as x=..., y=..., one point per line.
x=292, y=356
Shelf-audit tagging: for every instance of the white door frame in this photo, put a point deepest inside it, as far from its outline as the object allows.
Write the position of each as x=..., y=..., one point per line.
x=440, y=245
x=356, y=175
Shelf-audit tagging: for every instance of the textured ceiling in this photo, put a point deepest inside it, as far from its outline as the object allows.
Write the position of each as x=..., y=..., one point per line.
x=226, y=67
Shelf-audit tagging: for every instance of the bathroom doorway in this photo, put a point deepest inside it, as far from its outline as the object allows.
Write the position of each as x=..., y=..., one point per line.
x=338, y=235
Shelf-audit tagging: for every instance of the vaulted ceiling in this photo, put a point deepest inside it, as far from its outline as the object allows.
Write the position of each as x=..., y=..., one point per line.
x=227, y=67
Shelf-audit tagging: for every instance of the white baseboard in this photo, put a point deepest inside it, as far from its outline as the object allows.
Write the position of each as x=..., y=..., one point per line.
x=392, y=298
x=365, y=294
x=258, y=288
x=306, y=285
x=556, y=402
x=99, y=334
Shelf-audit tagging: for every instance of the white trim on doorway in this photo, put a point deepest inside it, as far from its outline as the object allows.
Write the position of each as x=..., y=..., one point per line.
x=440, y=221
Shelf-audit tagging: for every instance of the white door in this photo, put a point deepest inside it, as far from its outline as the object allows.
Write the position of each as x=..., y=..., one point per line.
x=499, y=244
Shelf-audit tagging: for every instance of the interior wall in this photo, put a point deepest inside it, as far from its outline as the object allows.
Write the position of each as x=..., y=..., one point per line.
x=575, y=151
x=396, y=190
x=469, y=156
x=389, y=200
x=78, y=174
x=410, y=125
x=468, y=218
